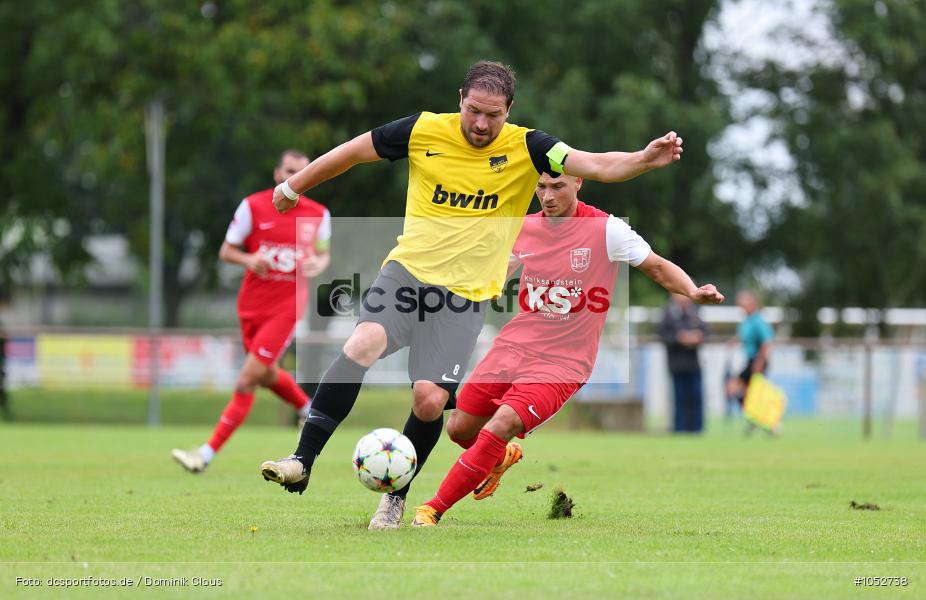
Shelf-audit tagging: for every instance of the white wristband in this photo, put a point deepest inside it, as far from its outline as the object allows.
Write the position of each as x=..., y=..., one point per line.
x=288, y=191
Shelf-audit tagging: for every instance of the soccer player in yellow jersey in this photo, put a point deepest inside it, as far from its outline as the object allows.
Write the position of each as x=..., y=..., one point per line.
x=466, y=169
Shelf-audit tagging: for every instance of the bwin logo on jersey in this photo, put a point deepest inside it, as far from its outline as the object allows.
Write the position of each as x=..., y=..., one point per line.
x=474, y=201
x=498, y=163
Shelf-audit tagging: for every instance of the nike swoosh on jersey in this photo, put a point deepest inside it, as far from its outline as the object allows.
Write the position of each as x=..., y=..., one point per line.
x=522, y=255
x=445, y=378
x=531, y=410
x=265, y=226
x=429, y=153
x=264, y=352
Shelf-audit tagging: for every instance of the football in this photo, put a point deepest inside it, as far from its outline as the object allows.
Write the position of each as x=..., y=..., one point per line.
x=385, y=460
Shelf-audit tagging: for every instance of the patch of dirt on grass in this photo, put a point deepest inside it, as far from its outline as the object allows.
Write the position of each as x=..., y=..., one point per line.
x=561, y=505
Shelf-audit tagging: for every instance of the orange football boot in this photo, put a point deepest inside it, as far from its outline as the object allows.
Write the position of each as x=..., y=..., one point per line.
x=488, y=486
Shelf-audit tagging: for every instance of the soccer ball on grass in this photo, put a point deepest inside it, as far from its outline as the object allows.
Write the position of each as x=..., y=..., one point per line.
x=385, y=460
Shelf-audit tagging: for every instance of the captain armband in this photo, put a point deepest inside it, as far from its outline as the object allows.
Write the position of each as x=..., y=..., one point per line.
x=557, y=156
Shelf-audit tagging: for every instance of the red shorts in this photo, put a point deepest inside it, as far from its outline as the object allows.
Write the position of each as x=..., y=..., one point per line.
x=267, y=337
x=521, y=381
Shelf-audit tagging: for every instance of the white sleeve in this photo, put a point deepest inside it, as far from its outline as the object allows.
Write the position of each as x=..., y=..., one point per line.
x=241, y=225
x=625, y=244
x=323, y=236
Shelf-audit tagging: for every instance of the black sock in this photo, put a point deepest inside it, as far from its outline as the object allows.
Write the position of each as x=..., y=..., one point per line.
x=333, y=401
x=424, y=436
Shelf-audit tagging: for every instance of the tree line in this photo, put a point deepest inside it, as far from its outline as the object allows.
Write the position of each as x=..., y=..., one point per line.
x=242, y=80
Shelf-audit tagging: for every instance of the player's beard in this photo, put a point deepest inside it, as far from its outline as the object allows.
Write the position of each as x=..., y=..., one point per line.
x=480, y=142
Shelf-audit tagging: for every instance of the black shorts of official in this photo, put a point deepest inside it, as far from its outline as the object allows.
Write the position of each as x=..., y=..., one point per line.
x=439, y=327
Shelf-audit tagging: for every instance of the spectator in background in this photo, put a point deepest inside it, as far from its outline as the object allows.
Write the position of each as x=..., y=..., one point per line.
x=755, y=335
x=683, y=332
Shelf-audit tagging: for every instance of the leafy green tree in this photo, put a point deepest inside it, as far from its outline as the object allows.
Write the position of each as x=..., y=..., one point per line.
x=854, y=121
x=44, y=207
x=243, y=80
x=613, y=75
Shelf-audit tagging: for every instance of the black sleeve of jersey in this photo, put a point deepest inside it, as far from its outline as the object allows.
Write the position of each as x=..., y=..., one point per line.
x=538, y=144
x=391, y=140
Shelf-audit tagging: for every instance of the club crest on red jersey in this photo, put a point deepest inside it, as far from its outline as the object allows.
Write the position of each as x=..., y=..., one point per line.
x=580, y=259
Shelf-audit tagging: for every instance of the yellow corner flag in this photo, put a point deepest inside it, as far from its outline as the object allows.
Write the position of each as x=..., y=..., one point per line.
x=765, y=403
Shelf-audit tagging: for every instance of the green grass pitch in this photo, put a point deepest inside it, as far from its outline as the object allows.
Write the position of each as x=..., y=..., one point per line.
x=717, y=516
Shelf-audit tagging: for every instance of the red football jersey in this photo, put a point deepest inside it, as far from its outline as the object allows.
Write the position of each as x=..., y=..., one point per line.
x=285, y=240
x=566, y=287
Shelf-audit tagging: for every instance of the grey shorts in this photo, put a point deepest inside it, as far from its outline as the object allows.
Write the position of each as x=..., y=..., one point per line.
x=439, y=327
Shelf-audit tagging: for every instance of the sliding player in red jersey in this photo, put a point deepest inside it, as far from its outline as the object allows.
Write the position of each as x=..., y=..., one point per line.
x=570, y=252
x=275, y=249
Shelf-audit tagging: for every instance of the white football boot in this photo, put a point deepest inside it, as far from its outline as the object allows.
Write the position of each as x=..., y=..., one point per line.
x=191, y=460
x=388, y=514
x=289, y=472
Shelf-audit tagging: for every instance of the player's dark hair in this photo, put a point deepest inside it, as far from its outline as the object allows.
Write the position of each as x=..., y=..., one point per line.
x=492, y=77
x=292, y=152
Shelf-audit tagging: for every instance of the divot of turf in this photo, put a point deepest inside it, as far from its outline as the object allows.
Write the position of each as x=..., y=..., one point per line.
x=561, y=506
x=864, y=505
x=533, y=488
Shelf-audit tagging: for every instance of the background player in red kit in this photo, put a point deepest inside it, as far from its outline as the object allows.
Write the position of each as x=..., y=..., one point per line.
x=276, y=250
x=570, y=252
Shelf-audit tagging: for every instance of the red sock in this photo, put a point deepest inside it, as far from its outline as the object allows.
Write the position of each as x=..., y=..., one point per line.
x=469, y=470
x=465, y=444
x=287, y=389
x=234, y=415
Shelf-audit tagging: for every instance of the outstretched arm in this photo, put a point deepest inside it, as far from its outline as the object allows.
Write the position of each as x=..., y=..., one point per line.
x=611, y=167
x=325, y=167
x=675, y=280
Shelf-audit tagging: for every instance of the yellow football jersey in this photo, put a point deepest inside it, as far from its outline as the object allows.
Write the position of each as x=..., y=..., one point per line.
x=465, y=205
